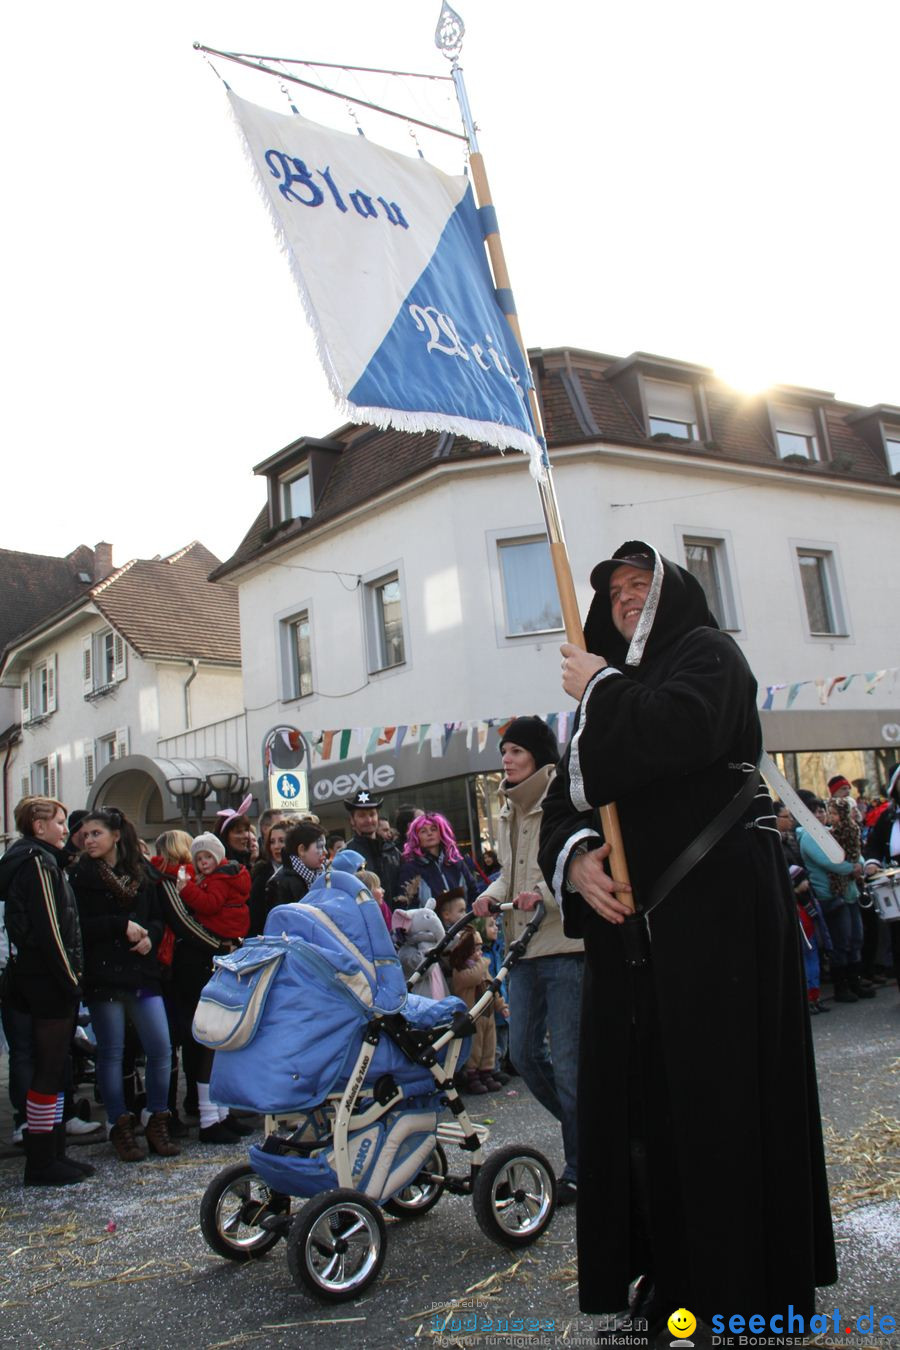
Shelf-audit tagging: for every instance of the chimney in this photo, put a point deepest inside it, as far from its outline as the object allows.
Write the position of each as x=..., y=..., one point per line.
x=103, y=563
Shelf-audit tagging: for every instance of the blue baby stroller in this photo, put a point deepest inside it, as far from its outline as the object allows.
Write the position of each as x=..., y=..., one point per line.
x=314, y=1026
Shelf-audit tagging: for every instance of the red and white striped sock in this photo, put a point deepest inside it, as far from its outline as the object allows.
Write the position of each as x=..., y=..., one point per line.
x=40, y=1112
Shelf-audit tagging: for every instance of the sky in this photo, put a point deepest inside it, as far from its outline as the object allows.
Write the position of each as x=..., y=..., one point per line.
x=710, y=182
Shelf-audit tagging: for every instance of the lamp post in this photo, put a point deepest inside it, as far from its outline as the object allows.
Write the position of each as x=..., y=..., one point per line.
x=228, y=786
x=183, y=789
x=190, y=791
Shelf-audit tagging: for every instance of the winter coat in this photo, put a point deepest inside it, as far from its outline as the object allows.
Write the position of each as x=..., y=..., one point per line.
x=518, y=836
x=189, y=931
x=878, y=843
x=470, y=982
x=702, y=1053
x=41, y=913
x=820, y=867
x=381, y=858
x=220, y=900
x=437, y=875
x=110, y=964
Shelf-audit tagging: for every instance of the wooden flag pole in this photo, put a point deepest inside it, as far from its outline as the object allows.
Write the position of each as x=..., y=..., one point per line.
x=448, y=39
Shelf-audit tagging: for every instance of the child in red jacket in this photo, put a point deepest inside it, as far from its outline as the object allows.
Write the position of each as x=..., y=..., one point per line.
x=221, y=890
x=218, y=896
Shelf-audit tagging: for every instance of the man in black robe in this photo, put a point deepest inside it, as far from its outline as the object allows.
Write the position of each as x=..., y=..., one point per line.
x=701, y=1163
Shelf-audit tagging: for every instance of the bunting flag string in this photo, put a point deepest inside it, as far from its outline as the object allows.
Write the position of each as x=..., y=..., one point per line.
x=339, y=743
x=825, y=687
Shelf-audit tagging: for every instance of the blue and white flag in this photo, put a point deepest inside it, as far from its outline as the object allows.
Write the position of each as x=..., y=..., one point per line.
x=388, y=254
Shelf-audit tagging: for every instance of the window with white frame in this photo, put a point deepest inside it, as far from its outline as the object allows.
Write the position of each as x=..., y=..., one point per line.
x=892, y=448
x=530, y=596
x=821, y=592
x=103, y=661
x=796, y=431
x=384, y=623
x=706, y=558
x=107, y=749
x=296, y=648
x=296, y=496
x=45, y=777
x=38, y=690
x=671, y=409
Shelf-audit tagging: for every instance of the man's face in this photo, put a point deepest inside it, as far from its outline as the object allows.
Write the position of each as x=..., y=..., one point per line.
x=784, y=820
x=841, y=792
x=365, y=820
x=385, y=832
x=628, y=588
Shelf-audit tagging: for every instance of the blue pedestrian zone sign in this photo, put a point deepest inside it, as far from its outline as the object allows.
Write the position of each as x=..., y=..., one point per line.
x=289, y=791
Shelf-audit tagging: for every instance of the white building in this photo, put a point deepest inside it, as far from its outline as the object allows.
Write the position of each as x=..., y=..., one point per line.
x=138, y=653
x=399, y=580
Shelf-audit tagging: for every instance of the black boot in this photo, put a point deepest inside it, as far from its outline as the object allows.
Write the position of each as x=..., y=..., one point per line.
x=42, y=1167
x=59, y=1148
x=842, y=991
x=860, y=987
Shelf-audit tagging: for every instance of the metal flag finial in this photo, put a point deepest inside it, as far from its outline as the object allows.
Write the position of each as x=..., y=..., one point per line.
x=449, y=33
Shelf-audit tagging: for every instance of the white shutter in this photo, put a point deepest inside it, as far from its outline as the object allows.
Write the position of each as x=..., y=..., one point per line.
x=87, y=664
x=120, y=747
x=118, y=657
x=796, y=421
x=90, y=763
x=672, y=402
x=51, y=687
x=53, y=775
x=26, y=785
x=26, y=696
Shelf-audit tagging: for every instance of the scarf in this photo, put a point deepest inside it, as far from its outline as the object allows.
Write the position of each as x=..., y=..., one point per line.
x=846, y=832
x=122, y=888
x=303, y=872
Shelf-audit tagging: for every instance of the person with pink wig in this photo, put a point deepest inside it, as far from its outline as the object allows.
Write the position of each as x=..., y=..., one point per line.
x=432, y=863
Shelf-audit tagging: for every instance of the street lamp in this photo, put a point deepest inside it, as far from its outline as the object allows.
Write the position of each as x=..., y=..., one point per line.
x=188, y=789
x=228, y=786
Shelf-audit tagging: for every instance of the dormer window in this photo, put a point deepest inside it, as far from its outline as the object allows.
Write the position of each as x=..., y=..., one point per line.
x=796, y=431
x=671, y=409
x=892, y=448
x=296, y=496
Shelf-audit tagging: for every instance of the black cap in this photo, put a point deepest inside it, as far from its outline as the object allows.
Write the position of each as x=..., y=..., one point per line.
x=534, y=736
x=629, y=555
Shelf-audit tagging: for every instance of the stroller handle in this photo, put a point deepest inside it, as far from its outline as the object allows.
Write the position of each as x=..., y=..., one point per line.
x=517, y=947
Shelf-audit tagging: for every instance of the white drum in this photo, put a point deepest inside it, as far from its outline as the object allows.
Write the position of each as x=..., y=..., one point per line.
x=884, y=888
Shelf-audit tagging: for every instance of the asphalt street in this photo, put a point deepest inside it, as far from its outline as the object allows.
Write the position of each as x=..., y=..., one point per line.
x=120, y=1260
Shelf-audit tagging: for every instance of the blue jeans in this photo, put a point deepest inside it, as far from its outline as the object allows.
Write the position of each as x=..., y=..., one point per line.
x=149, y=1018
x=545, y=998
x=845, y=926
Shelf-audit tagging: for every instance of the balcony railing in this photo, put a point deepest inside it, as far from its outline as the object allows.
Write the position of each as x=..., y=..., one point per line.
x=219, y=740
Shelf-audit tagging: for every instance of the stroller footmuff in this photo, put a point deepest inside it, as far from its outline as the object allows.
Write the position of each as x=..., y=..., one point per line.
x=313, y=1025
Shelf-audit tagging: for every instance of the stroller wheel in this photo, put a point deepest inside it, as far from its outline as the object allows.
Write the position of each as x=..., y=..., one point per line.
x=234, y=1209
x=514, y=1196
x=424, y=1191
x=336, y=1245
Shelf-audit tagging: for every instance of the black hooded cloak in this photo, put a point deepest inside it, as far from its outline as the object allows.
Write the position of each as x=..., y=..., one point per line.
x=700, y=1157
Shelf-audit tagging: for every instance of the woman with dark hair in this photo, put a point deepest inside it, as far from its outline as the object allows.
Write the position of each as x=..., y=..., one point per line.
x=44, y=977
x=263, y=871
x=236, y=833
x=432, y=863
x=122, y=922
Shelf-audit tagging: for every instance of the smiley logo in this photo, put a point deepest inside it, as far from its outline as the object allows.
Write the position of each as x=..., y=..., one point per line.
x=682, y=1323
